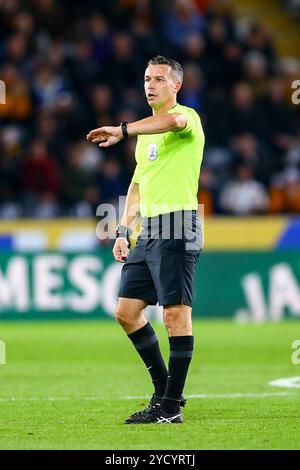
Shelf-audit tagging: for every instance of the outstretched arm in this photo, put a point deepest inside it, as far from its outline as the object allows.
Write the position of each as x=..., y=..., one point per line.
x=109, y=135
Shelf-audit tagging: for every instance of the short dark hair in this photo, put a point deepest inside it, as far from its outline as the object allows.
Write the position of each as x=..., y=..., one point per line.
x=175, y=66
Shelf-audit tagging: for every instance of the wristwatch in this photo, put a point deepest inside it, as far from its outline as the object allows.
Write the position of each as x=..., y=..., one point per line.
x=124, y=129
x=124, y=232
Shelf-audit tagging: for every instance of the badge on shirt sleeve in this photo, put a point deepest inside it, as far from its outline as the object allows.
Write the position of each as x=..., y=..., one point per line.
x=152, y=152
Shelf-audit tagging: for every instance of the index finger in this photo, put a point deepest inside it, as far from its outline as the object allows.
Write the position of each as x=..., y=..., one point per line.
x=93, y=133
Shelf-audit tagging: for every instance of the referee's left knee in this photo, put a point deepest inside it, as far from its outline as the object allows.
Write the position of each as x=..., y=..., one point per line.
x=178, y=320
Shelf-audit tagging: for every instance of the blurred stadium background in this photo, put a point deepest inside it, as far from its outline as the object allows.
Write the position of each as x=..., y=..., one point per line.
x=68, y=66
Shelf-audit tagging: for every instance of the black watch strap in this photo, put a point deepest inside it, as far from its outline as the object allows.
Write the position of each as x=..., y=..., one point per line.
x=124, y=129
x=123, y=231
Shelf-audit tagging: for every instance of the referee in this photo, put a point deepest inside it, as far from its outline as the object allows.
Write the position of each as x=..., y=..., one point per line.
x=161, y=267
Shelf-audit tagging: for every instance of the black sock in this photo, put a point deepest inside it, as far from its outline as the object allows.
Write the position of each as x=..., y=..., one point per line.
x=181, y=351
x=146, y=343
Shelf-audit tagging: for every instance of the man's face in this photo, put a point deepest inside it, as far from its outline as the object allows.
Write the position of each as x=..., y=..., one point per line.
x=160, y=85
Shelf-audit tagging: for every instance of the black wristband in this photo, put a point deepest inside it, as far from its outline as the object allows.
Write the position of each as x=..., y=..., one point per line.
x=124, y=232
x=124, y=129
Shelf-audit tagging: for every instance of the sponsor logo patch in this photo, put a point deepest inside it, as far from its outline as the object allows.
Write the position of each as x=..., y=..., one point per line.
x=152, y=152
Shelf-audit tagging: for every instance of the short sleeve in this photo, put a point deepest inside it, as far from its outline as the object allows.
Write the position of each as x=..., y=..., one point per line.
x=136, y=175
x=189, y=123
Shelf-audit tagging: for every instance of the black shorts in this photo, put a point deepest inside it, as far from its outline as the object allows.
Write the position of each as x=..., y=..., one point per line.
x=162, y=270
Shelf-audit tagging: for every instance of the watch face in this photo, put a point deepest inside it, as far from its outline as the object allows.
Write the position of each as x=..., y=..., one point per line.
x=122, y=229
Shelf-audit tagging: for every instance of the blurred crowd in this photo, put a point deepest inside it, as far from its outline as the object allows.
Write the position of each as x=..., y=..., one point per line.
x=70, y=66
x=292, y=6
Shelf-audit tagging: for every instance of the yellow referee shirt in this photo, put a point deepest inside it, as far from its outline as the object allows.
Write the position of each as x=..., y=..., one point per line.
x=168, y=167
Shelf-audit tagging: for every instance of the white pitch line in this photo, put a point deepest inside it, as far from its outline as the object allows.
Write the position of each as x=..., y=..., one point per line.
x=241, y=395
x=286, y=382
x=7, y=399
x=145, y=397
x=225, y=395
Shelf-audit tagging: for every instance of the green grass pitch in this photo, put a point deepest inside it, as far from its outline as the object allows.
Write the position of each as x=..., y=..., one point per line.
x=65, y=386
